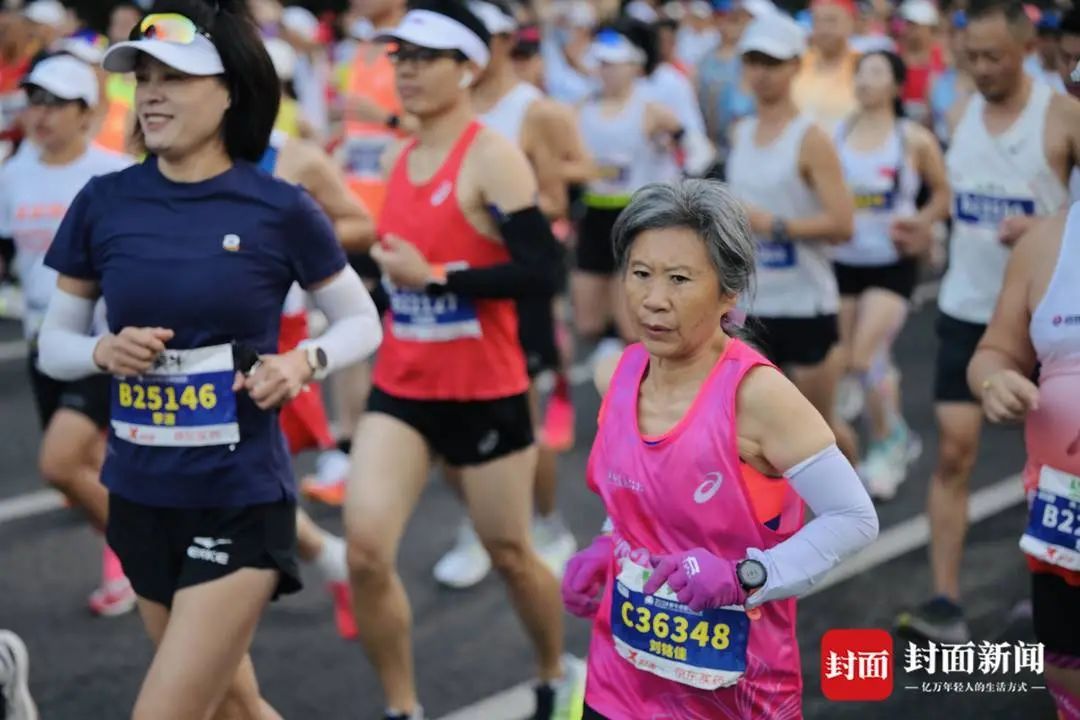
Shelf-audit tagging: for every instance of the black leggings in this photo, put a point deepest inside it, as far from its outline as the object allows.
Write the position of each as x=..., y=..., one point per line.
x=589, y=714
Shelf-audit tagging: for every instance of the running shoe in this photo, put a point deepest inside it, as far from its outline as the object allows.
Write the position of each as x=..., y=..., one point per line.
x=554, y=542
x=11, y=301
x=939, y=619
x=564, y=698
x=887, y=462
x=465, y=564
x=417, y=714
x=15, y=679
x=850, y=398
x=343, y=610
x=327, y=485
x=112, y=599
x=558, y=430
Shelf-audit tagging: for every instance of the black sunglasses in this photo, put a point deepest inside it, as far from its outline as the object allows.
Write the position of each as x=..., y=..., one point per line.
x=423, y=55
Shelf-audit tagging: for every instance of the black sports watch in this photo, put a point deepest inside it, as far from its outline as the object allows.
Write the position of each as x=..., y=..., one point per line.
x=752, y=575
x=779, y=230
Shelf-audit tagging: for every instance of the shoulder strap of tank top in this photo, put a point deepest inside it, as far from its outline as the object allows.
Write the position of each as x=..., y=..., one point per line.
x=457, y=154
x=900, y=128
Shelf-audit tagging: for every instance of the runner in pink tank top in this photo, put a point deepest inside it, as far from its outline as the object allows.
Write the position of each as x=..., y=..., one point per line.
x=693, y=588
x=1037, y=320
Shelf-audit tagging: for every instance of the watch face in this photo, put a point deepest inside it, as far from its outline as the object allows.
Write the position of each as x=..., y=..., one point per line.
x=320, y=358
x=752, y=573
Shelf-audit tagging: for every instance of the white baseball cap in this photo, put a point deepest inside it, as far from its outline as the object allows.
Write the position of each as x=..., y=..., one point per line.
x=283, y=56
x=198, y=57
x=495, y=20
x=81, y=48
x=46, y=12
x=300, y=21
x=429, y=29
x=756, y=8
x=919, y=12
x=643, y=11
x=612, y=47
x=65, y=77
x=774, y=34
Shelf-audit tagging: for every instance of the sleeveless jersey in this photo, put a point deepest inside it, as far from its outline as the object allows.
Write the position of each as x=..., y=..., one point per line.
x=794, y=279
x=445, y=347
x=668, y=494
x=620, y=148
x=992, y=178
x=1052, y=433
x=365, y=142
x=508, y=115
x=884, y=183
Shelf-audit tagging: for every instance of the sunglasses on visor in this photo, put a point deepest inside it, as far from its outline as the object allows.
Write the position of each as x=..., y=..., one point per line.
x=168, y=27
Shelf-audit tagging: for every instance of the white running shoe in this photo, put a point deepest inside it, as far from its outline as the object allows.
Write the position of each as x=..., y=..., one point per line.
x=554, y=542
x=465, y=564
x=15, y=678
x=886, y=464
x=850, y=398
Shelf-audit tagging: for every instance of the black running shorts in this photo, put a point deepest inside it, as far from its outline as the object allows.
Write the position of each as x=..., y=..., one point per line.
x=164, y=550
x=1054, y=603
x=463, y=432
x=595, y=249
x=957, y=340
x=801, y=342
x=899, y=277
x=89, y=396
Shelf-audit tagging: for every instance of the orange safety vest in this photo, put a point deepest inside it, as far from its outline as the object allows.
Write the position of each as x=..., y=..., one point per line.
x=364, y=142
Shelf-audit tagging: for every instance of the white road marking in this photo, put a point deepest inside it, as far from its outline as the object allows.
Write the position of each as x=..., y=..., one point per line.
x=30, y=504
x=902, y=538
x=13, y=350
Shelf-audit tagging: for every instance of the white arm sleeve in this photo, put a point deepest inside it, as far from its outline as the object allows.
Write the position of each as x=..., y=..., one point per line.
x=355, y=330
x=845, y=521
x=65, y=346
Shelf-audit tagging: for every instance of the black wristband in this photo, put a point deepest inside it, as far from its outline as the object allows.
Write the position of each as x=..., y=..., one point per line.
x=779, y=230
x=393, y=122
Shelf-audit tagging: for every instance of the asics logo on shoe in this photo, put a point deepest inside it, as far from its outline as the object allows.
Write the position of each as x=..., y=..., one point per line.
x=202, y=548
x=441, y=193
x=708, y=488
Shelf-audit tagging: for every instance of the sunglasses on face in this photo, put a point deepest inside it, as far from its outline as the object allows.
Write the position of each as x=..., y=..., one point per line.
x=40, y=97
x=168, y=27
x=422, y=55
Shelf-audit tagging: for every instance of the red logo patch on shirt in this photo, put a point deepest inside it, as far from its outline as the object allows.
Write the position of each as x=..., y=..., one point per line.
x=857, y=665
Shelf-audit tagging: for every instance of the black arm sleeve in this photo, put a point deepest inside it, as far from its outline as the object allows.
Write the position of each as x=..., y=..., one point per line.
x=532, y=270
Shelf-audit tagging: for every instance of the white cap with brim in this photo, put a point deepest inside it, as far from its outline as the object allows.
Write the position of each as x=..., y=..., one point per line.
x=613, y=48
x=46, y=12
x=919, y=12
x=775, y=35
x=65, y=77
x=283, y=56
x=81, y=49
x=495, y=20
x=199, y=57
x=756, y=8
x=300, y=21
x=436, y=31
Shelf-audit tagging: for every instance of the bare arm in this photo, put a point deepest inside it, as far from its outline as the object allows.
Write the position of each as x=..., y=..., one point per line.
x=353, y=225
x=1004, y=360
x=661, y=121
x=930, y=165
x=563, y=133
x=820, y=165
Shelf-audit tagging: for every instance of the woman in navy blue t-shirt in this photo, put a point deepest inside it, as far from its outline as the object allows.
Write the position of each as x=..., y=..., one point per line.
x=194, y=251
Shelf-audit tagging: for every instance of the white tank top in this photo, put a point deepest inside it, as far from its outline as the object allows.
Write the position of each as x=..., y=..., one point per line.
x=794, y=279
x=885, y=184
x=620, y=148
x=993, y=177
x=1055, y=324
x=508, y=115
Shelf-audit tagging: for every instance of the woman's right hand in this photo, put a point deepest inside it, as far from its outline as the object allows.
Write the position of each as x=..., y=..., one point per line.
x=1007, y=396
x=132, y=351
x=584, y=578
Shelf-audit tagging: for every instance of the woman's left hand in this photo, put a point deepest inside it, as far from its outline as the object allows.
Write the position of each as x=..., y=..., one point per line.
x=402, y=262
x=276, y=379
x=698, y=578
x=761, y=222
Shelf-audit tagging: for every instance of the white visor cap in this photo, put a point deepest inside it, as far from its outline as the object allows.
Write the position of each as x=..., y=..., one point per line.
x=429, y=29
x=199, y=57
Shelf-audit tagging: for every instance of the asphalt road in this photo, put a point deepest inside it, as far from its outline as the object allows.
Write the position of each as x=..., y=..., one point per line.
x=468, y=644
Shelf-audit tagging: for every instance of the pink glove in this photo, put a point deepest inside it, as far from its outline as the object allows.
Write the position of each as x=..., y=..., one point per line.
x=584, y=578
x=698, y=578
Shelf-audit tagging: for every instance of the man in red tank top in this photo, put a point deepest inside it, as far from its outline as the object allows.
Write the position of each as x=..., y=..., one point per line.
x=461, y=237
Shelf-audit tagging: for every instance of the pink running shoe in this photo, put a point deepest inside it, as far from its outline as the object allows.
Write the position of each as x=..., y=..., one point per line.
x=113, y=598
x=343, y=611
x=558, y=431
